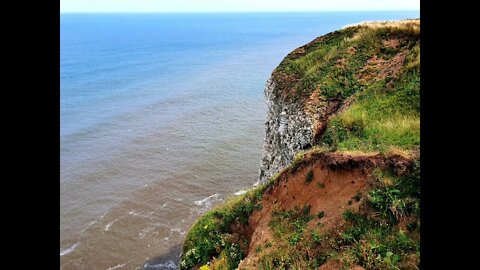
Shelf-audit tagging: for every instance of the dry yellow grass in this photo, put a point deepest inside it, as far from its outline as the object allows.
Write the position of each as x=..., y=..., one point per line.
x=411, y=25
x=397, y=151
x=358, y=153
x=401, y=24
x=399, y=124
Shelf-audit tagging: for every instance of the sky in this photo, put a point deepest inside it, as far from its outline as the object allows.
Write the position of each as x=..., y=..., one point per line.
x=233, y=5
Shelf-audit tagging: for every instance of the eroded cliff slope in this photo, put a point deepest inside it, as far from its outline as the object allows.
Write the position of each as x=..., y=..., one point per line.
x=340, y=168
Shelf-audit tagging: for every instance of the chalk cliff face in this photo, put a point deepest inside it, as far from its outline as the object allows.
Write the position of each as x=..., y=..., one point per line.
x=288, y=130
x=292, y=126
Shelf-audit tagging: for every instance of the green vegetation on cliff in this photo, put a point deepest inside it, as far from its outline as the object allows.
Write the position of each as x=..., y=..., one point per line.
x=372, y=71
x=216, y=233
x=380, y=119
x=376, y=66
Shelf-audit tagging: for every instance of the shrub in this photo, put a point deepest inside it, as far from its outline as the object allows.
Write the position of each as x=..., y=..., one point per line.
x=309, y=177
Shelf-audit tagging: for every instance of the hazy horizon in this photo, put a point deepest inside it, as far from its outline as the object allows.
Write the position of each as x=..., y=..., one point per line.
x=206, y=12
x=228, y=6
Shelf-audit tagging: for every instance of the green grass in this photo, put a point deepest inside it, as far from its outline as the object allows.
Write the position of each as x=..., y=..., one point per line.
x=290, y=224
x=211, y=234
x=332, y=64
x=375, y=242
x=399, y=198
x=316, y=237
x=379, y=119
x=288, y=229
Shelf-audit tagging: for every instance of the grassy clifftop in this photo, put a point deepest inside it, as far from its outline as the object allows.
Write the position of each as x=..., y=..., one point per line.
x=352, y=200
x=374, y=68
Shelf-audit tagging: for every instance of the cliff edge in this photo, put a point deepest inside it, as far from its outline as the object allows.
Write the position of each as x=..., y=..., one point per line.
x=340, y=170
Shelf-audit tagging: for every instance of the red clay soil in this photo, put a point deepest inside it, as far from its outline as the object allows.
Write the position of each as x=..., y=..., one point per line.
x=336, y=179
x=379, y=68
x=392, y=42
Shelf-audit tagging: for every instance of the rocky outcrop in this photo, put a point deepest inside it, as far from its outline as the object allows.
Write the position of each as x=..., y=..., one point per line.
x=288, y=130
x=291, y=126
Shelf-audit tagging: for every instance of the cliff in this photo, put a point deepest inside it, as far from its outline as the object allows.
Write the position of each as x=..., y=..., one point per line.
x=316, y=80
x=288, y=130
x=340, y=167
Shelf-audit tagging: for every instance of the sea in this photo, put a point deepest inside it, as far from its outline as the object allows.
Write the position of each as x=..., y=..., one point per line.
x=162, y=118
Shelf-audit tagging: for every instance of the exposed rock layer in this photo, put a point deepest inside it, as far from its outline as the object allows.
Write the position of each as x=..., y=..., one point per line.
x=288, y=130
x=290, y=126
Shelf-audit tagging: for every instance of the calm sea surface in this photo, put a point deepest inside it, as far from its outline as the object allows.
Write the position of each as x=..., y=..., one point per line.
x=162, y=118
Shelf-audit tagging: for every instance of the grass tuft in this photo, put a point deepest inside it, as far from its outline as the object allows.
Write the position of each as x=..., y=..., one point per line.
x=309, y=177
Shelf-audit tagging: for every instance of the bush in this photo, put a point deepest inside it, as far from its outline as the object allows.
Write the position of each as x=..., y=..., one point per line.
x=309, y=177
x=398, y=199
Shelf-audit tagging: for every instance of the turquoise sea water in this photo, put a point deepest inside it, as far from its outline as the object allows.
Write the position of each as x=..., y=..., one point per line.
x=161, y=118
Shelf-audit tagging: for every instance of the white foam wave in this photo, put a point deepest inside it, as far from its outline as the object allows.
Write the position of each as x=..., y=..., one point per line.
x=168, y=265
x=68, y=250
x=240, y=192
x=207, y=203
x=207, y=200
x=93, y=222
x=103, y=215
x=178, y=230
x=135, y=214
x=88, y=226
x=117, y=266
x=107, y=227
x=145, y=231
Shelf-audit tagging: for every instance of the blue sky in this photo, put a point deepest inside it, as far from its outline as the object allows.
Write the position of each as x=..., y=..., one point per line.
x=233, y=5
